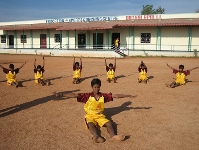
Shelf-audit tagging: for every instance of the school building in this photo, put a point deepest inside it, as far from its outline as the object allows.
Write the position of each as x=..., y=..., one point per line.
x=157, y=35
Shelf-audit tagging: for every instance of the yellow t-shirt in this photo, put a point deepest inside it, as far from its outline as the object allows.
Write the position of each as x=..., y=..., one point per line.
x=180, y=78
x=11, y=77
x=94, y=107
x=143, y=75
x=116, y=42
x=110, y=74
x=38, y=74
x=77, y=73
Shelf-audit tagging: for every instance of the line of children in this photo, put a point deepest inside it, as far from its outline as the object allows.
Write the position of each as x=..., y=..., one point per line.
x=77, y=69
x=39, y=71
x=110, y=69
x=180, y=76
x=94, y=107
x=11, y=73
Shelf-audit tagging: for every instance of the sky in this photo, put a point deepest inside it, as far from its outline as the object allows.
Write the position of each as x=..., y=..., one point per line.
x=22, y=10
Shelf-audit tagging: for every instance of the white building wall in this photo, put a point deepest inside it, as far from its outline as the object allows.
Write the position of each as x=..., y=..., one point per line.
x=36, y=38
x=195, y=38
x=174, y=38
x=145, y=46
x=72, y=39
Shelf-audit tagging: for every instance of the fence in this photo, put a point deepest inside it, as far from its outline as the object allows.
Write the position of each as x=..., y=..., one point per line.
x=102, y=47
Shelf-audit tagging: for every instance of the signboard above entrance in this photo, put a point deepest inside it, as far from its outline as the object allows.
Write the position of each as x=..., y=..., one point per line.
x=134, y=17
x=82, y=19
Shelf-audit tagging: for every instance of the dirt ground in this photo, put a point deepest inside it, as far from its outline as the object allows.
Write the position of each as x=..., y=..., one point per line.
x=31, y=118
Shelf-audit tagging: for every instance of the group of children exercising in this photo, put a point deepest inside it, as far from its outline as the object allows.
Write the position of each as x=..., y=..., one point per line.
x=11, y=73
x=94, y=101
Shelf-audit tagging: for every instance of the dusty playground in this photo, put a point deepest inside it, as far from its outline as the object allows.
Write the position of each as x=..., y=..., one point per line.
x=31, y=118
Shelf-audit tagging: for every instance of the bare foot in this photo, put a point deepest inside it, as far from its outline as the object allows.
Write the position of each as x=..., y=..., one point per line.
x=97, y=139
x=117, y=138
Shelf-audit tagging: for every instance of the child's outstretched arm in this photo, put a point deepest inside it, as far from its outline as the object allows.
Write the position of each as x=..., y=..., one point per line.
x=143, y=64
x=193, y=68
x=69, y=95
x=35, y=63
x=80, y=60
x=43, y=61
x=1, y=66
x=22, y=64
x=73, y=60
x=115, y=62
x=140, y=64
x=105, y=61
x=123, y=96
x=170, y=66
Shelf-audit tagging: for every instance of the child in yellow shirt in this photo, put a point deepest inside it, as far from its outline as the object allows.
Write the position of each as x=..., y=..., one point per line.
x=11, y=74
x=110, y=69
x=94, y=107
x=39, y=71
x=180, y=76
x=143, y=73
x=77, y=69
x=116, y=44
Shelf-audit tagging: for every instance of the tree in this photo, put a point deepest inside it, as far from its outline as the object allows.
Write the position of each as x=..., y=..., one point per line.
x=197, y=11
x=148, y=9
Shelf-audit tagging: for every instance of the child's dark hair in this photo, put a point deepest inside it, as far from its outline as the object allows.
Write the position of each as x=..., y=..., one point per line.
x=39, y=67
x=77, y=64
x=11, y=66
x=181, y=66
x=110, y=65
x=142, y=65
x=96, y=81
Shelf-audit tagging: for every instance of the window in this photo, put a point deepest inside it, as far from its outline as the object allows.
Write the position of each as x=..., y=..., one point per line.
x=23, y=39
x=57, y=38
x=3, y=38
x=145, y=37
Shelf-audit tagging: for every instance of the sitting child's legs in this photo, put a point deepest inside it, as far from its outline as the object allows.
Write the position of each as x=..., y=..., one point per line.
x=41, y=81
x=15, y=84
x=76, y=80
x=113, y=136
x=109, y=79
x=92, y=128
x=47, y=82
x=173, y=84
x=102, y=121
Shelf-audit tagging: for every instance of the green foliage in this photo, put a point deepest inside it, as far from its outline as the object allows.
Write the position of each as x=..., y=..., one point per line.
x=195, y=52
x=197, y=11
x=148, y=9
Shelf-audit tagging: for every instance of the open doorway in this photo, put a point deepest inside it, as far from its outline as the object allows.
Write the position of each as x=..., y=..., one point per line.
x=98, y=41
x=114, y=37
x=11, y=41
x=81, y=40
